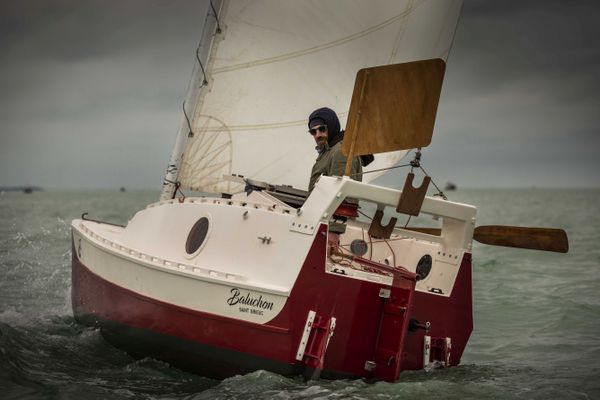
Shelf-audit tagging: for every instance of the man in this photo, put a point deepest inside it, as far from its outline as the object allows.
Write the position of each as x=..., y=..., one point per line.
x=324, y=125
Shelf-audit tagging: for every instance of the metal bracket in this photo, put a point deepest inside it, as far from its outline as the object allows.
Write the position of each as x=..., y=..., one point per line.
x=370, y=365
x=443, y=348
x=79, y=249
x=265, y=239
x=302, y=227
x=426, y=350
x=449, y=255
x=331, y=330
x=448, y=350
x=305, y=335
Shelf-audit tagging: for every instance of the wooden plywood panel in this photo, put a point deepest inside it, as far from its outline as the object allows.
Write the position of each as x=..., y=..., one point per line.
x=393, y=107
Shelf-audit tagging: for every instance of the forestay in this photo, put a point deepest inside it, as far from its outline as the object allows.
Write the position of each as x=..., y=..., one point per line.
x=276, y=61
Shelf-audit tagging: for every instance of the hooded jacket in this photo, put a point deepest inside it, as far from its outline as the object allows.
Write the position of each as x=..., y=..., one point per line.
x=328, y=117
x=331, y=161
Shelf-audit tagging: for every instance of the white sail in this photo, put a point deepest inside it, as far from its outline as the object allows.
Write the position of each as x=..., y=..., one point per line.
x=276, y=61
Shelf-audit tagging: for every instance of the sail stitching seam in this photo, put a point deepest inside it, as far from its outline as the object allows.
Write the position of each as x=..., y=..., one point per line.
x=250, y=127
x=314, y=49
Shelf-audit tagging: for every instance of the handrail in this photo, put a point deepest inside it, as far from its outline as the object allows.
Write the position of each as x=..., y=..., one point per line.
x=98, y=221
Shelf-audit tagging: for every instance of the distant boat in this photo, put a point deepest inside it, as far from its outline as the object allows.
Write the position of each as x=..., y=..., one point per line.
x=122, y=189
x=24, y=189
x=450, y=186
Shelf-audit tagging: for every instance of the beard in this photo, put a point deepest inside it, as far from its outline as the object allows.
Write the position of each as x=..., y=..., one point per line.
x=321, y=141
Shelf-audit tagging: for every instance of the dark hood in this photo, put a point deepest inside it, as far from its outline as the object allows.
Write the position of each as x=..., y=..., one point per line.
x=334, y=133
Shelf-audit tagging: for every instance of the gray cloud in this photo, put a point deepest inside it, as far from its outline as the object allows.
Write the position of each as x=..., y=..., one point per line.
x=91, y=92
x=534, y=44
x=521, y=97
x=70, y=30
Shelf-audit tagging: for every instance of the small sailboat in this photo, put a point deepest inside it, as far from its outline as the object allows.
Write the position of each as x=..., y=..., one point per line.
x=244, y=276
x=450, y=186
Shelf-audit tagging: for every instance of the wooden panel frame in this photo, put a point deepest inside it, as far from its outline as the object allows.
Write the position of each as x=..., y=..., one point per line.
x=393, y=107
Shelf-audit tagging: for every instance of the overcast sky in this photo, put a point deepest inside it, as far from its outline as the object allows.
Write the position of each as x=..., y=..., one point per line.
x=91, y=93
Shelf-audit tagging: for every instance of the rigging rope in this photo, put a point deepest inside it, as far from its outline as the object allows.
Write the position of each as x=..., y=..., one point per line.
x=191, y=132
x=216, y=17
x=204, y=81
x=439, y=193
x=377, y=170
x=415, y=163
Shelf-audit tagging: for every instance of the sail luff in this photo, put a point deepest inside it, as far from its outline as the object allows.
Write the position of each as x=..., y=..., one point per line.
x=197, y=82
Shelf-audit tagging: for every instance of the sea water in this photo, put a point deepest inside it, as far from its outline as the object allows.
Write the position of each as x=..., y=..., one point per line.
x=537, y=314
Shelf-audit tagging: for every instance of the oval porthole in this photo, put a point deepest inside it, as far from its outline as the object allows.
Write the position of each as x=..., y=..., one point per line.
x=424, y=267
x=197, y=235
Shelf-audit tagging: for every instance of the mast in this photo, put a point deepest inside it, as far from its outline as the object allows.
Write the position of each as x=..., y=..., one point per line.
x=198, y=80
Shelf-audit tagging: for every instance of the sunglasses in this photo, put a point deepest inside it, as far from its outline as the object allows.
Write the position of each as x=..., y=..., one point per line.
x=320, y=128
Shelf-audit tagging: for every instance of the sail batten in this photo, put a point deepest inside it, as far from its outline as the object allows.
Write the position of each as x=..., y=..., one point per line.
x=276, y=61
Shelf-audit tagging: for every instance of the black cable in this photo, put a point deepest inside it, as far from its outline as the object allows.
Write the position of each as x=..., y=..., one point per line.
x=191, y=133
x=204, y=81
x=381, y=169
x=216, y=17
x=365, y=215
x=440, y=193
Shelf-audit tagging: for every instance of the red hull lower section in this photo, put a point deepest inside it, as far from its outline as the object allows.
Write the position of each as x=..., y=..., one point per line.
x=368, y=328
